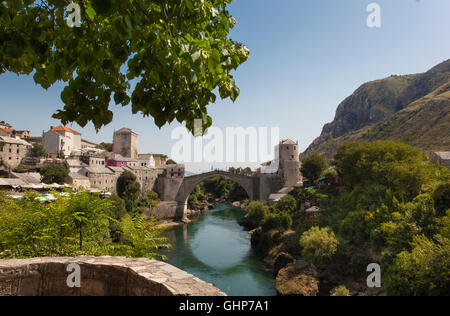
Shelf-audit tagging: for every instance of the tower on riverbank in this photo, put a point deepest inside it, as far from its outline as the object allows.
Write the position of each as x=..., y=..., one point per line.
x=290, y=163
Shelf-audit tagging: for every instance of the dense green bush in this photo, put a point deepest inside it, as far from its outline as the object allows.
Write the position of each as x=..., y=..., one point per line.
x=340, y=291
x=257, y=213
x=422, y=271
x=441, y=196
x=82, y=224
x=319, y=245
x=129, y=189
x=38, y=151
x=287, y=204
x=54, y=174
x=279, y=221
x=396, y=166
x=313, y=166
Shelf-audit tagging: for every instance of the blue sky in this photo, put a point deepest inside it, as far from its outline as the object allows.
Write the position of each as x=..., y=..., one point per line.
x=306, y=57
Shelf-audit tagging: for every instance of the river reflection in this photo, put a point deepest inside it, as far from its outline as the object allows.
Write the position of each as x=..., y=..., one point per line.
x=217, y=250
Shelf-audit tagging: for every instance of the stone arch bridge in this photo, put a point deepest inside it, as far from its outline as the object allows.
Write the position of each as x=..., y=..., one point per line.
x=174, y=192
x=249, y=183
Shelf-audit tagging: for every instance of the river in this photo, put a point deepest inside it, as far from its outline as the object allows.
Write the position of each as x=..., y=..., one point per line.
x=216, y=249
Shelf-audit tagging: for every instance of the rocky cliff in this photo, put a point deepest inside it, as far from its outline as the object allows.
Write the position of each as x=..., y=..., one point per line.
x=412, y=108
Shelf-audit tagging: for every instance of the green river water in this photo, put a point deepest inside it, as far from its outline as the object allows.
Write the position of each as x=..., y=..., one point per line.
x=216, y=249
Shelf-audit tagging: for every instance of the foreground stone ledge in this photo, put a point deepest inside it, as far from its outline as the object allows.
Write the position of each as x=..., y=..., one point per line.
x=100, y=276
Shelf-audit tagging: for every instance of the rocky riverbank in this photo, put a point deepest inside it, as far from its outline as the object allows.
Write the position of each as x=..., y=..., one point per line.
x=296, y=277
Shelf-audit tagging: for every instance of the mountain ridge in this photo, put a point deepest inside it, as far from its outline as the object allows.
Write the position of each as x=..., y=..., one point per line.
x=413, y=109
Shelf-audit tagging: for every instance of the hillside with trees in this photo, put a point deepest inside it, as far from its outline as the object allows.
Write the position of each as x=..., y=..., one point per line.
x=393, y=210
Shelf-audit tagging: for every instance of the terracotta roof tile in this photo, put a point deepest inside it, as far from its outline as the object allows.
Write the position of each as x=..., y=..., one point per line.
x=7, y=130
x=65, y=129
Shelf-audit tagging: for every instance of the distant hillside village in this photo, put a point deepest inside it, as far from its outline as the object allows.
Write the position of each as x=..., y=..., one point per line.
x=97, y=167
x=91, y=166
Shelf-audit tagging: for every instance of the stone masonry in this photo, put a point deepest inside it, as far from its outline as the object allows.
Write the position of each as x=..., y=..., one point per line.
x=100, y=276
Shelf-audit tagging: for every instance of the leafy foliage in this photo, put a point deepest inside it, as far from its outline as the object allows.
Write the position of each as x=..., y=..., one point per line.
x=287, y=204
x=422, y=271
x=71, y=226
x=257, y=213
x=175, y=53
x=278, y=221
x=395, y=166
x=319, y=245
x=54, y=173
x=340, y=291
x=129, y=190
x=223, y=189
x=441, y=196
x=38, y=150
x=394, y=206
x=139, y=238
x=313, y=166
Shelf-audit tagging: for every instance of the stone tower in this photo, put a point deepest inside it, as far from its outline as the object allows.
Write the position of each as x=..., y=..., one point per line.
x=290, y=163
x=125, y=143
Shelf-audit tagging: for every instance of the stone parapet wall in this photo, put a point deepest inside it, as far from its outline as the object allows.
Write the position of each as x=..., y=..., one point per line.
x=100, y=276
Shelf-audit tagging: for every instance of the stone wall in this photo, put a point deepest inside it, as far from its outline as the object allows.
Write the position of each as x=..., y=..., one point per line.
x=163, y=211
x=100, y=276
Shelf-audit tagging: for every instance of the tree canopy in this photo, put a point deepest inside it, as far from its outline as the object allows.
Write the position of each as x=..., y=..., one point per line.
x=38, y=150
x=129, y=190
x=165, y=58
x=313, y=166
x=54, y=174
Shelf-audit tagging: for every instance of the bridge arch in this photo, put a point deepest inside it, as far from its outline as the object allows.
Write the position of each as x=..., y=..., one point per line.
x=248, y=183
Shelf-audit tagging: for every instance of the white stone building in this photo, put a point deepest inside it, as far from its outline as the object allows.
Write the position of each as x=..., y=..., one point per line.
x=61, y=140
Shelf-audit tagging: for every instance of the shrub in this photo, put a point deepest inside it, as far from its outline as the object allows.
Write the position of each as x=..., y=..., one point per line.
x=38, y=151
x=281, y=221
x=313, y=166
x=271, y=222
x=54, y=174
x=71, y=226
x=421, y=272
x=129, y=190
x=257, y=212
x=287, y=204
x=340, y=291
x=319, y=245
x=441, y=197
